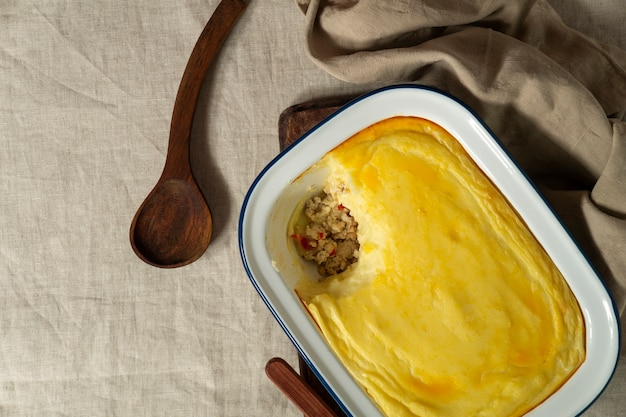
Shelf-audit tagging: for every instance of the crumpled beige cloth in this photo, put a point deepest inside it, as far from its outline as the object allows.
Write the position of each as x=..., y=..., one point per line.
x=555, y=97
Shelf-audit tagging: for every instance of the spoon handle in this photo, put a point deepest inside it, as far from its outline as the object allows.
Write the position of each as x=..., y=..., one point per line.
x=296, y=389
x=202, y=56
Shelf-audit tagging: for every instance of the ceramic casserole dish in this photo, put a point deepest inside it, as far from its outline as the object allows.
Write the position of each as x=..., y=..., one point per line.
x=274, y=271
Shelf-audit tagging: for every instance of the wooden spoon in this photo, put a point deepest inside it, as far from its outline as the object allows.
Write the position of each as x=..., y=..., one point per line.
x=173, y=226
x=296, y=389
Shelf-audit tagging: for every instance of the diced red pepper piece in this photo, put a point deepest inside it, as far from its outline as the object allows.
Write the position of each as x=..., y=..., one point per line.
x=304, y=242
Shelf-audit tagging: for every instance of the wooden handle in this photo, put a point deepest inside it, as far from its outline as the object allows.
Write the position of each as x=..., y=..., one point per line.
x=296, y=389
x=202, y=56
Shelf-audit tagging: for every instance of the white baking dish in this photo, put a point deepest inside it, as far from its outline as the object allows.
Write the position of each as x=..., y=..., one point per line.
x=274, y=269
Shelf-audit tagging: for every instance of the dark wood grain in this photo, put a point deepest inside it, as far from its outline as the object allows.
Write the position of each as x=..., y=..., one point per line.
x=173, y=226
x=311, y=379
x=296, y=389
x=298, y=119
x=202, y=56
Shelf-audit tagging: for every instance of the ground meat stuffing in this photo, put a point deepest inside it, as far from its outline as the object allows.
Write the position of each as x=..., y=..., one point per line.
x=330, y=235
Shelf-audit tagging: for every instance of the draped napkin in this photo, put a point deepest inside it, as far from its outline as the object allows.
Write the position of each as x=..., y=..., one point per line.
x=555, y=97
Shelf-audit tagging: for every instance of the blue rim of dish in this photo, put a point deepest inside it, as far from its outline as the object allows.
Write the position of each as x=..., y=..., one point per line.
x=502, y=147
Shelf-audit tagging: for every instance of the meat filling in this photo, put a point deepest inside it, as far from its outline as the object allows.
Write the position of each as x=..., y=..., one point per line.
x=329, y=236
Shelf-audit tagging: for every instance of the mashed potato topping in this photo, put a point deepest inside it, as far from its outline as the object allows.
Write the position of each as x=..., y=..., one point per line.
x=453, y=308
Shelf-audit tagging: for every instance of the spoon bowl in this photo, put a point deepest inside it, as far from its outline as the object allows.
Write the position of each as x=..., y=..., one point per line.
x=173, y=226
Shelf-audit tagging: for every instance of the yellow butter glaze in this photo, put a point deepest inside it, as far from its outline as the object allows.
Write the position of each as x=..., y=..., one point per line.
x=454, y=308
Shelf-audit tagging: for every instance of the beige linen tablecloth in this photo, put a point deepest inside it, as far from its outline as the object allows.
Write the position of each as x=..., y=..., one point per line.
x=86, y=91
